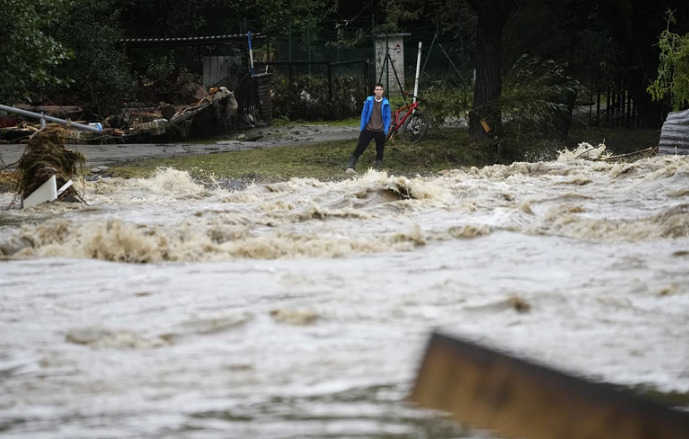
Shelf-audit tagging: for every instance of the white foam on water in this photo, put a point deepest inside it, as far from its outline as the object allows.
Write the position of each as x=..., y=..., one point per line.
x=299, y=308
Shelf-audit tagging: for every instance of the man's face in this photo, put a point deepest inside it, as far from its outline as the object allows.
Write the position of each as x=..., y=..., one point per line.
x=378, y=92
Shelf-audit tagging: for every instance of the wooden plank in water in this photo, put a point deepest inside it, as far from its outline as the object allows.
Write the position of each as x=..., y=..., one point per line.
x=495, y=391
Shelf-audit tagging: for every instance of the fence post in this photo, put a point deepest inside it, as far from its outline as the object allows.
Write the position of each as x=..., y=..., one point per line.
x=289, y=44
x=330, y=81
x=367, y=77
x=597, y=106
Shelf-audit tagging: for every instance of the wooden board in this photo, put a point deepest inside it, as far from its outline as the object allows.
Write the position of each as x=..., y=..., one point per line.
x=492, y=390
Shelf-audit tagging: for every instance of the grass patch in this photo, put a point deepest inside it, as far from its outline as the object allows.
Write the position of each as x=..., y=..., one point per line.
x=441, y=149
x=350, y=122
x=261, y=164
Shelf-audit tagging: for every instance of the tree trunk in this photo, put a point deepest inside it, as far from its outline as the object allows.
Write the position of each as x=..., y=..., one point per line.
x=562, y=118
x=485, y=115
x=651, y=114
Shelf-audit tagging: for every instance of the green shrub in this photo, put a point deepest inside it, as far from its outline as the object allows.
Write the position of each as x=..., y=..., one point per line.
x=443, y=102
x=28, y=52
x=307, y=98
x=98, y=73
x=673, y=71
x=537, y=98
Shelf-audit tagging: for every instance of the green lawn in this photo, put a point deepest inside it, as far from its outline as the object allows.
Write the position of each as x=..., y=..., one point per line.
x=442, y=149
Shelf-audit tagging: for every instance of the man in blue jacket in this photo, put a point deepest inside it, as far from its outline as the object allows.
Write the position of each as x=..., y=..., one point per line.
x=375, y=123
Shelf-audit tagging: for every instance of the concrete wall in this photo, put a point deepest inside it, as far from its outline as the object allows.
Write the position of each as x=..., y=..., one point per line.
x=385, y=72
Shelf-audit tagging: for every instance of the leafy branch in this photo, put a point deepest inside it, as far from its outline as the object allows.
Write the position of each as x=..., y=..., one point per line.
x=673, y=70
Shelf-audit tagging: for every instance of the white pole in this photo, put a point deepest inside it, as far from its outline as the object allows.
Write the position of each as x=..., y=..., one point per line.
x=251, y=54
x=418, y=67
x=97, y=128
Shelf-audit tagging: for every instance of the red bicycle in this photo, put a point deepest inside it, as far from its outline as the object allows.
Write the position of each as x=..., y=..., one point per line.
x=410, y=120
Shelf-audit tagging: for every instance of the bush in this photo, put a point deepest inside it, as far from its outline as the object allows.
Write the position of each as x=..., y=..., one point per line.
x=673, y=71
x=537, y=99
x=28, y=51
x=98, y=74
x=306, y=98
x=442, y=102
x=536, y=105
x=164, y=80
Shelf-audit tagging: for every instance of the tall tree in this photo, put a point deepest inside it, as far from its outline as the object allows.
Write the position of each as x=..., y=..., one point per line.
x=99, y=71
x=27, y=52
x=492, y=15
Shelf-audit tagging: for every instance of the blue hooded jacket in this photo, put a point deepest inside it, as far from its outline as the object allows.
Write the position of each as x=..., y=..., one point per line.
x=384, y=109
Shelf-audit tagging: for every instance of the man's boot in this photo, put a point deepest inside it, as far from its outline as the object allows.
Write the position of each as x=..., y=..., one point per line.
x=351, y=165
x=378, y=165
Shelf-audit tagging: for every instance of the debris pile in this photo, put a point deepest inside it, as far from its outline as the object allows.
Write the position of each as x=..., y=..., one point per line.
x=215, y=112
x=46, y=156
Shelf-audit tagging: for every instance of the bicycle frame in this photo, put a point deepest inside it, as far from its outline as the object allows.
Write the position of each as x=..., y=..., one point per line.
x=398, y=122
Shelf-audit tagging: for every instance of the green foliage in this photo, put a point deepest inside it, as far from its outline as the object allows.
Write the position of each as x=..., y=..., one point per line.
x=442, y=101
x=535, y=90
x=452, y=18
x=306, y=97
x=99, y=71
x=673, y=71
x=166, y=80
x=536, y=104
x=27, y=52
x=176, y=18
x=304, y=18
x=580, y=34
x=395, y=12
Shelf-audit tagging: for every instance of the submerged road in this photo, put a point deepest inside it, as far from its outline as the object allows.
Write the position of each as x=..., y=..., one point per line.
x=111, y=154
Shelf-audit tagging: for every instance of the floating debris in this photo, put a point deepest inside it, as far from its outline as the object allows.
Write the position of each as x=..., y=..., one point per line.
x=46, y=157
x=584, y=151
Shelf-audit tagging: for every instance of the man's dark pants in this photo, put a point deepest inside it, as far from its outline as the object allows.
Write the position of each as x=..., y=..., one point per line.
x=365, y=138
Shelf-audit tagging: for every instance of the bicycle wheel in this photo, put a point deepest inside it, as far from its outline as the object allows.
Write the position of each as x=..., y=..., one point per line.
x=415, y=127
